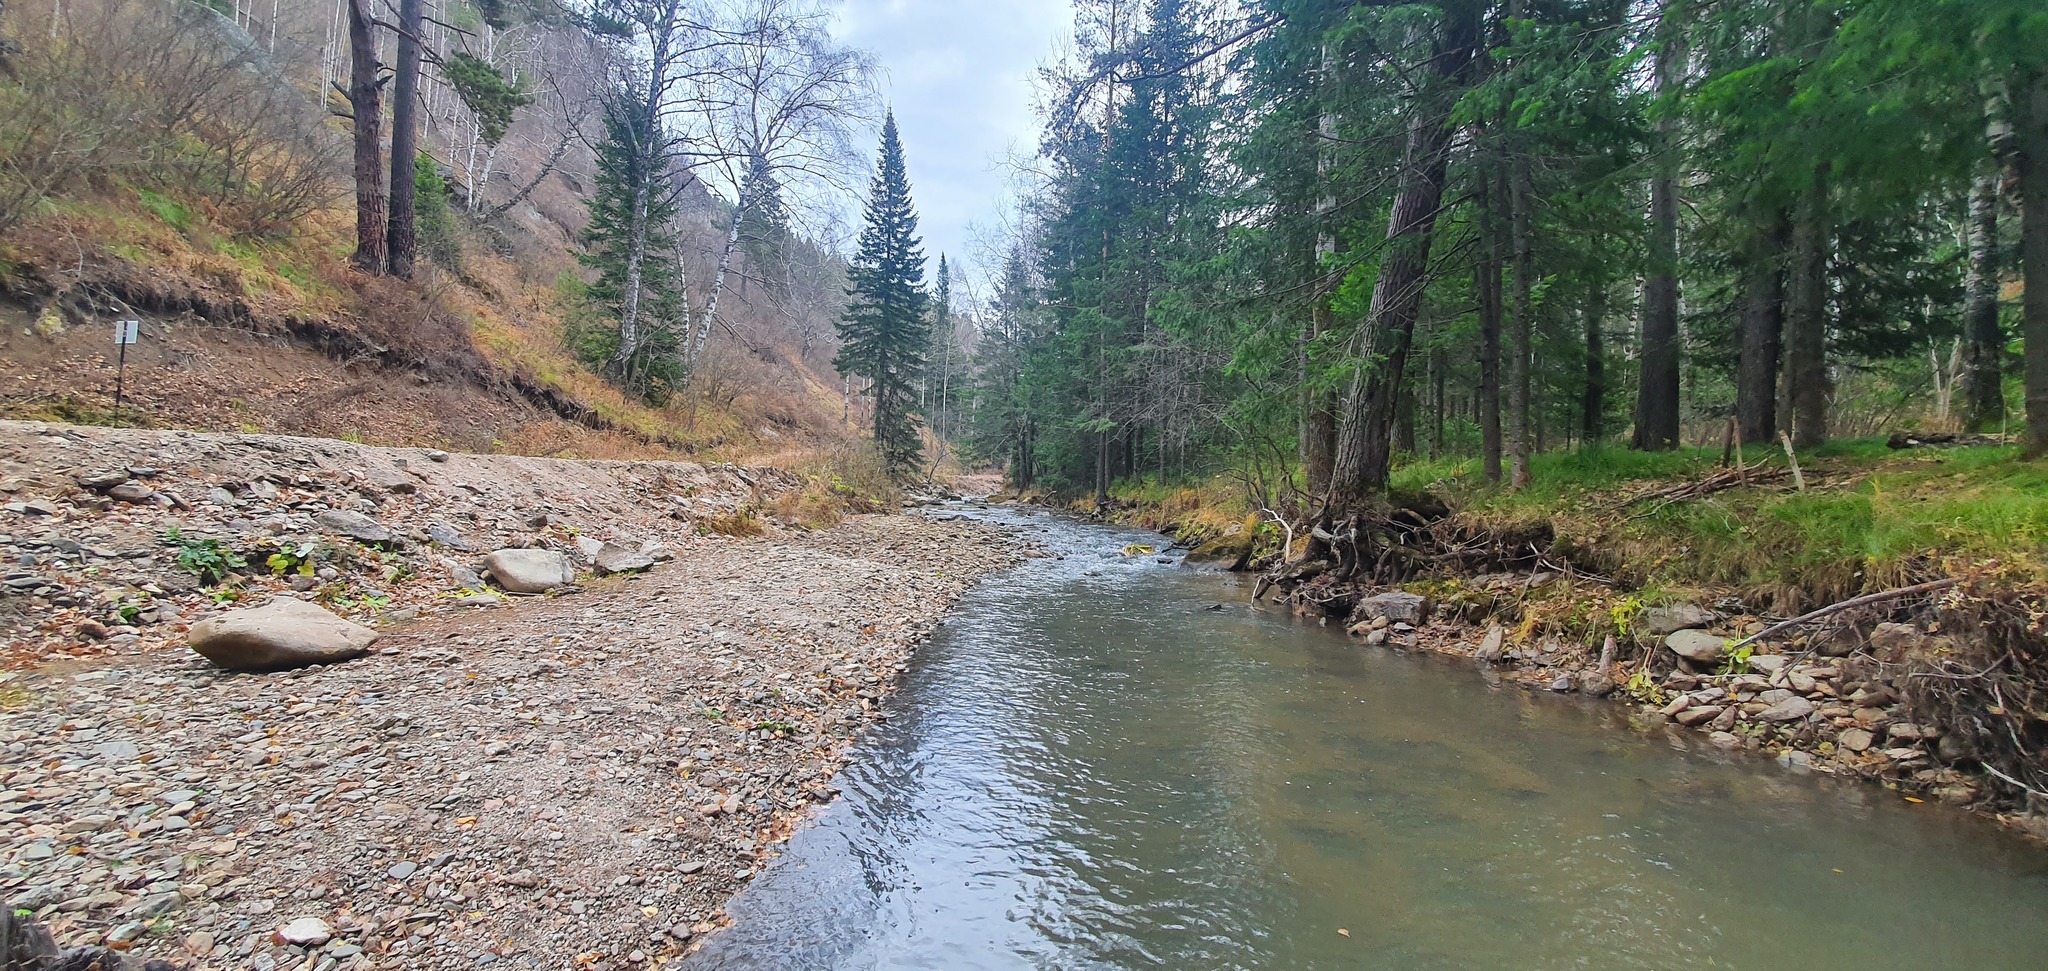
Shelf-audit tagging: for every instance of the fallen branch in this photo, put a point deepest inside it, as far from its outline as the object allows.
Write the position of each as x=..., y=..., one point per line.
x=1932, y=586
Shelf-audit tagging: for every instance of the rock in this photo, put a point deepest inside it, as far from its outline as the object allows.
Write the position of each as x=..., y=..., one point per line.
x=1699, y=716
x=395, y=482
x=305, y=932
x=353, y=525
x=529, y=570
x=131, y=491
x=1674, y=706
x=436, y=455
x=1491, y=647
x=1376, y=638
x=1791, y=709
x=1893, y=642
x=1396, y=606
x=1660, y=621
x=447, y=536
x=1597, y=685
x=1855, y=740
x=1697, y=645
x=284, y=633
x=403, y=870
x=1955, y=748
x=1725, y=739
x=614, y=558
x=1228, y=553
x=1768, y=663
x=589, y=547
x=1726, y=719
x=101, y=481
x=1562, y=685
x=1909, y=732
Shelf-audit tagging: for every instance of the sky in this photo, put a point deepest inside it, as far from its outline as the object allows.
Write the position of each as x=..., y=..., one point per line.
x=959, y=76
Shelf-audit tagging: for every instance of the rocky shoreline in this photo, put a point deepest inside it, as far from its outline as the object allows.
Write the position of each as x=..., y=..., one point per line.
x=1834, y=704
x=576, y=779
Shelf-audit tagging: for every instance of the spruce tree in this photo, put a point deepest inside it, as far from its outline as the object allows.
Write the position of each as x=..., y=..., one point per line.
x=652, y=367
x=884, y=335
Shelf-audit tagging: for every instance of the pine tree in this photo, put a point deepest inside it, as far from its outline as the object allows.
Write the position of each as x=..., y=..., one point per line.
x=652, y=366
x=884, y=335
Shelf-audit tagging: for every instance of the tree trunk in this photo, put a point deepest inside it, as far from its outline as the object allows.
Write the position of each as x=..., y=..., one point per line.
x=1364, y=439
x=1593, y=403
x=1657, y=417
x=405, y=132
x=1762, y=334
x=2033, y=167
x=732, y=243
x=1319, y=404
x=1492, y=259
x=366, y=103
x=1806, y=316
x=1984, y=381
x=1519, y=431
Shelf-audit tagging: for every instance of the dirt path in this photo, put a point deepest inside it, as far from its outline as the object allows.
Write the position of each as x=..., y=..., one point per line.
x=580, y=780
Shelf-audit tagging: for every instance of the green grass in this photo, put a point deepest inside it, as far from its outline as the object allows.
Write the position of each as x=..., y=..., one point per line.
x=1873, y=518
x=171, y=212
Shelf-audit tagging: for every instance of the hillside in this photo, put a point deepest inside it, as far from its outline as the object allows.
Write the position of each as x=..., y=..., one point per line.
x=232, y=250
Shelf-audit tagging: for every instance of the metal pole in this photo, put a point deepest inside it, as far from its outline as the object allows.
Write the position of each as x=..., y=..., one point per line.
x=121, y=375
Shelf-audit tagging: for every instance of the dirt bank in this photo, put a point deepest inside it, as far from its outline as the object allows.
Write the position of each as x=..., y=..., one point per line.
x=579, y=779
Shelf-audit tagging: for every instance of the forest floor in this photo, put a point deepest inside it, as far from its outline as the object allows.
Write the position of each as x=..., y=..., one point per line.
x=578, y=779
x=1934, y=695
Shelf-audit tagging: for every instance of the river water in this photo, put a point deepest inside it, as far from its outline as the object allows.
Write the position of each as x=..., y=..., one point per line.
x=1092, y=767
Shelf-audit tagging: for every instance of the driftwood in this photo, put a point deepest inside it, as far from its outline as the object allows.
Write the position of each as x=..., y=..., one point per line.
x=26, y=946
x=1918, y=589
x=1737, y=476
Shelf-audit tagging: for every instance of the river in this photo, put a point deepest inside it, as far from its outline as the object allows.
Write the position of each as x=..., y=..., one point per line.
x=1092, y=766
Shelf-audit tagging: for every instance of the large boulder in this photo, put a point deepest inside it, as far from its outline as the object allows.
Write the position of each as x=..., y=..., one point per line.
x=283, y=633
x=1396, y=606
x=529, y=571
x=1697, y=646
x=1659, y=621
x=353, y=525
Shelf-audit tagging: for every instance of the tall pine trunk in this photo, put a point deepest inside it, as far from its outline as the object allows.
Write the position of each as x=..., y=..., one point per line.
x=1593, y=400
x=1492, y=259
x=1984, y=377
x=405, y=132
x=1365, y=437
x=1806, y=315
x=2031, y=103
x=1760, y=342
x=366, y=103
x=1657, y=417
x=1520, y=433
x=1319, y=404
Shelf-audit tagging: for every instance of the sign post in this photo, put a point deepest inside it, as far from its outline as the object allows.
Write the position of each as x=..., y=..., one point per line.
x=125, y=333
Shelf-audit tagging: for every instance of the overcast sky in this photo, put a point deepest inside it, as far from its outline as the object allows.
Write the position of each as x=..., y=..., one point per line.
x=959, y=74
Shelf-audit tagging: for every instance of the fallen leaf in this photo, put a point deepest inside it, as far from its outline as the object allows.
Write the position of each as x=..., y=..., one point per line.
x=1911, y=799
x=1344, y=932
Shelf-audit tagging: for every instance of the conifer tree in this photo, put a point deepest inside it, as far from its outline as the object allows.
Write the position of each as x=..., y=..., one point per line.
x=884, y=335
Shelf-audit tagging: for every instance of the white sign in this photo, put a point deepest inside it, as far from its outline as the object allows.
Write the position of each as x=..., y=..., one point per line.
x=126, y=331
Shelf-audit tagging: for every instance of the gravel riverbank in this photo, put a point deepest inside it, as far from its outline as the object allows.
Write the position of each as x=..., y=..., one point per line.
x=576, y=780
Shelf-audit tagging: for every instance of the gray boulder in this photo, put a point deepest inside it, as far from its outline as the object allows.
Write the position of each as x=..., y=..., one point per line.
x=529, y=571
x=353, y=525
x=613, y=558
x=1396, y=606
x=283, y=633
x=1697, y=645
x=1659, y=621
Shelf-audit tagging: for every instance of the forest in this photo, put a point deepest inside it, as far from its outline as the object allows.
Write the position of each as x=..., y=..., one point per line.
x=1311, y=242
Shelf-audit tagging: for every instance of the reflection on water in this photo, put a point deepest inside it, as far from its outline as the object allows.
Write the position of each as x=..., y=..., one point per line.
x=1091, y=769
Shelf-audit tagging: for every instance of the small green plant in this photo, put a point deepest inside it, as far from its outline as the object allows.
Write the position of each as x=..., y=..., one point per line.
x=1737, y=661
x=714, y=714
x=223, y=596
x=1624, y=615
x=779, y=728
x=130, y=611
x=297, y=559
x=204, y=558
x=1643, y=689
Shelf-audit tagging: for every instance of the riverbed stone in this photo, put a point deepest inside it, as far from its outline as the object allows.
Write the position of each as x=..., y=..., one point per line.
x=1660, y=621
x=1856, y=740
x=1788, y=710
x=1226, y=553
x=1395, y=606
x=613, y=558
x=1492, y=645
x=1697, y=645
x=353, y=525
x=284, y=633
x=529, y=570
